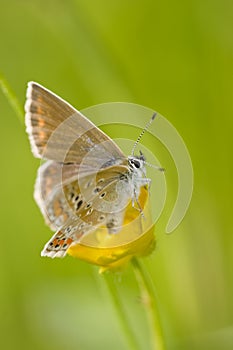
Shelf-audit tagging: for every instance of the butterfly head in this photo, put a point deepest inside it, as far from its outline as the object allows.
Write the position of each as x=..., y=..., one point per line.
x=137, y=163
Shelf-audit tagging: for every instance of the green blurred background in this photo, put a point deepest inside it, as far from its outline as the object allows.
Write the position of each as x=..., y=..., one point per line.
x=172, y=56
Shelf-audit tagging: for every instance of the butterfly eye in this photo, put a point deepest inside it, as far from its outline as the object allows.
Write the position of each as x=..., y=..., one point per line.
x=136, y=163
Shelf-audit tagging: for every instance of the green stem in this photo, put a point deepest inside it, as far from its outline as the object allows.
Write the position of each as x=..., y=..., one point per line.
x=120, y=310
x=12, y=99
x=148, y=298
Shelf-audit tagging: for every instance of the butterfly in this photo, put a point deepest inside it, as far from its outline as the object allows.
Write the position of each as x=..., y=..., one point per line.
x=86, y=181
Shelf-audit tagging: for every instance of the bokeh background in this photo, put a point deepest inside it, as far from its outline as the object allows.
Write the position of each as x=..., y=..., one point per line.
x=175, y=57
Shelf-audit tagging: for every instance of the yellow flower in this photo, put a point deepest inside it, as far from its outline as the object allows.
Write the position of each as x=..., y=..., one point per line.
x=112, y=251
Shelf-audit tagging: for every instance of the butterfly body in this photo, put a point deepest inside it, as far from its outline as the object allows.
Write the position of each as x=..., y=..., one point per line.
x=86, y=181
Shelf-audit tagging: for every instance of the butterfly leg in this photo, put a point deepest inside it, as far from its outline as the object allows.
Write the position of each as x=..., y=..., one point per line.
x=149, y=184
x=135, y=199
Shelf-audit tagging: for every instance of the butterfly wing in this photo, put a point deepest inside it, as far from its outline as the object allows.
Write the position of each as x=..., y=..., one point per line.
x=77, y=209
x=79, y=154
x=59, y=191
x=59, y=132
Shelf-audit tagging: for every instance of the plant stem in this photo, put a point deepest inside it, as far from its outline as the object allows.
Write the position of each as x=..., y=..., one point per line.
x=119, y=307
x=12, y=99
x=148, y=298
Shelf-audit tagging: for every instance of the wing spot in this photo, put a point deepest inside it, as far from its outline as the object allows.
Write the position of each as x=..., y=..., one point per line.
x=103, y=195
x=68, y=229
x=111, y=224
x=79, y=205
x=97, y=190
x=88, y=184
x=89, y=211
x=74, y=228
x=71, y=195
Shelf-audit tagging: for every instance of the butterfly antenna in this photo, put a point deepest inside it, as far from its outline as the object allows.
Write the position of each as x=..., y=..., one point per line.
x=154, y=166
x=143, y=132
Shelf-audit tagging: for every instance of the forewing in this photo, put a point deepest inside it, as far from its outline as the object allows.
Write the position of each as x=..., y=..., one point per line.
x=59, y=132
